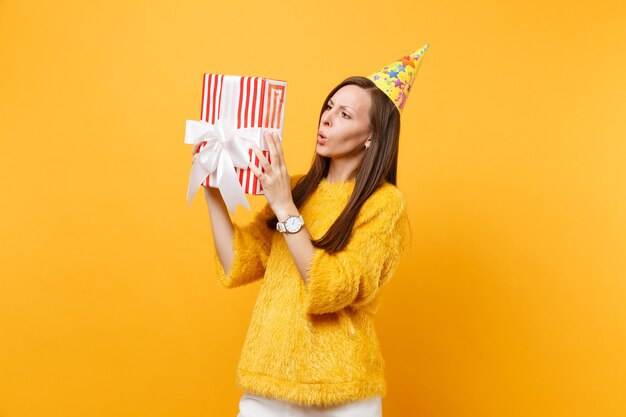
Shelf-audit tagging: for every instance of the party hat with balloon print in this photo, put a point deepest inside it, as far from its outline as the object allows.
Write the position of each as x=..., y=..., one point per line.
x=396, y=79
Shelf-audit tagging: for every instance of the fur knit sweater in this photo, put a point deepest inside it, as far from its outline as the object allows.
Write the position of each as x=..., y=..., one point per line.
x=315, y=344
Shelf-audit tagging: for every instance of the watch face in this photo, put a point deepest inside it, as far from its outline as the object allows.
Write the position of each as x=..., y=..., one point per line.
x=293, y=224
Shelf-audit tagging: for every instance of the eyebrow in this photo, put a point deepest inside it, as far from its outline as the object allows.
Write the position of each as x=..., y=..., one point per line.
x=342, y=107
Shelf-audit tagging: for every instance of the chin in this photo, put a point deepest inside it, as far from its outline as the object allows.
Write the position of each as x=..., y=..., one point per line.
x=320, y=150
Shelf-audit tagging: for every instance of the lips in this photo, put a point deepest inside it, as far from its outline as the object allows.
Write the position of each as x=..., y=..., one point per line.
x=321, y=138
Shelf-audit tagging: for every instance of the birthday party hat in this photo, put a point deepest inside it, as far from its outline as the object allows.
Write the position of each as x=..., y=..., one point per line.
x=395, y=79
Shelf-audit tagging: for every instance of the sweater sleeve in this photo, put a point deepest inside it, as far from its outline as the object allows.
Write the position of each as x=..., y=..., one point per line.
x=251, y=245
x=354, y=275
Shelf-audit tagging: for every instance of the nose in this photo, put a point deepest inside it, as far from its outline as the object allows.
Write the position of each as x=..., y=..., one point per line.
x=326, y=117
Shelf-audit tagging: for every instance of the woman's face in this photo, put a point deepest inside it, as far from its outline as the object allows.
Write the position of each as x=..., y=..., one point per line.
x=345, y=125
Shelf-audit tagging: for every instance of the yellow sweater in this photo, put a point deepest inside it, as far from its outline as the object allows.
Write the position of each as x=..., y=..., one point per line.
x=315, y=343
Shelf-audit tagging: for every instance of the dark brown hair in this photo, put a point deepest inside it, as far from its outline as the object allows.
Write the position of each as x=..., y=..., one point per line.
x=379, y=164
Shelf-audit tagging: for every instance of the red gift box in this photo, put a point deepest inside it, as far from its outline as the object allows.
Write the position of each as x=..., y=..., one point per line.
x=247, y=102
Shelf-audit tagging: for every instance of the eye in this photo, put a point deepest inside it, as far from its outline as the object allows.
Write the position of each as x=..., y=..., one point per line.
x=343, y=113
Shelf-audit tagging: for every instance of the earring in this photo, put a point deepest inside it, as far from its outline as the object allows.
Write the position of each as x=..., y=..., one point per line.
x=367, y=145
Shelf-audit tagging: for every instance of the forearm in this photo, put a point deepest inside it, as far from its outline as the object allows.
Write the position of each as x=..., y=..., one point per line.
x=299, y=243
x=222, y=227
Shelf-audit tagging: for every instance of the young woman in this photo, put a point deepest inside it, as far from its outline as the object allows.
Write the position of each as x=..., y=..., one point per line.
x=323, y=245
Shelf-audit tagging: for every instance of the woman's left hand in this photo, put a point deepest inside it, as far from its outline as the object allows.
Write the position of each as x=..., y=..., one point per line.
x=275, y=178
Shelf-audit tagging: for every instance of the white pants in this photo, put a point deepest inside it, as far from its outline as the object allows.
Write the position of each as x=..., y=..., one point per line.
x=255, y=406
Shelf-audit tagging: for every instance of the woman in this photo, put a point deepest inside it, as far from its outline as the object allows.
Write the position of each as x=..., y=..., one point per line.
x=311, y=348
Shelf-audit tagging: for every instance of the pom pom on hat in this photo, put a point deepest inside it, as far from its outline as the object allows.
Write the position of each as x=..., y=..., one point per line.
x=396, y=79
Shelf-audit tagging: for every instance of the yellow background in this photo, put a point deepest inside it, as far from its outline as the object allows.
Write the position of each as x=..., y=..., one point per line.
x=511, y=299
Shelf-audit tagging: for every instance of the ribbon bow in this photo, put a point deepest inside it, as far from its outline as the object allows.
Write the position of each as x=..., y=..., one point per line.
x=225, y=150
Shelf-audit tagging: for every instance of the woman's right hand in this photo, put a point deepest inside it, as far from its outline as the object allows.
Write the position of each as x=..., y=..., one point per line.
x=195, y=149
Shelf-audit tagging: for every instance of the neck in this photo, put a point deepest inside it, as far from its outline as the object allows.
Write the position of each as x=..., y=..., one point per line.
x=342, y=170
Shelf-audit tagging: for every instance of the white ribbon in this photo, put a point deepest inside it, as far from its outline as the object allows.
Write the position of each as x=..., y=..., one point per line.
x=226, y=149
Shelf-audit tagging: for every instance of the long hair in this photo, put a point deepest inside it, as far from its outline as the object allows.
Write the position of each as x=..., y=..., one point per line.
x=378, y=165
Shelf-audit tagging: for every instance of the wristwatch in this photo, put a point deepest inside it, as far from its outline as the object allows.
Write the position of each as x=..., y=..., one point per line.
x=292, y=224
